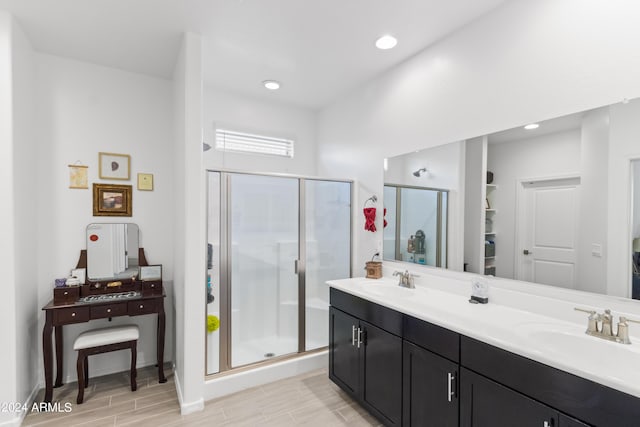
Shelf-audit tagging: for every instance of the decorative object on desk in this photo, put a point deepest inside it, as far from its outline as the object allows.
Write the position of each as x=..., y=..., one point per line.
x=73, y=281
x=489, y=177
x=80, y=274
x=151, y=272
x=116, y=284
x=145, y=181
x=61, y=282
x=78, y=176
x=374, y=268
x=114, y=166
x=479, y=291
x=111, y=200
x=370, y=214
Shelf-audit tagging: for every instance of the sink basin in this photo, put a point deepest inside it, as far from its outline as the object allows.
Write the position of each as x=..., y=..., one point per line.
x=385, y=289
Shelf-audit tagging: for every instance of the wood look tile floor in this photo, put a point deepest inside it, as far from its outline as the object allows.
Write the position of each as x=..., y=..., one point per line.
x=305, y=400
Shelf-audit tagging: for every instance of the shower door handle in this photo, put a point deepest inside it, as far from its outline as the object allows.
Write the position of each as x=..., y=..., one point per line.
x=296, y=268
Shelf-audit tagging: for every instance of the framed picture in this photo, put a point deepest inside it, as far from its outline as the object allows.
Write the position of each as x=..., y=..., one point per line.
x=114, y=166
x=78, y=176
x=145, y=181
x=151, y=272
x=111, y=200
x=80, y=273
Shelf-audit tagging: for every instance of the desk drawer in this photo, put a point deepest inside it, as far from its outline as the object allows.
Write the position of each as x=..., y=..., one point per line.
x=64, y=316
x=141, y=307
x=111, y=310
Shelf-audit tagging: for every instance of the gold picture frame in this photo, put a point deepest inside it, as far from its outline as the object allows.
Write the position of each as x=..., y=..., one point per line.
x=114, y=166
x=145, y=181
x=112, y=200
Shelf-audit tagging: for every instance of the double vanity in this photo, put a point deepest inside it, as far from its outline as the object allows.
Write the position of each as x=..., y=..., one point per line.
x=427, y=357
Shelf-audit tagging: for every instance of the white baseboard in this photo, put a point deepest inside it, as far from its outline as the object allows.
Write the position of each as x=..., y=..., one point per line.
x=17, y=420
x=186, y=408
x=232, y=383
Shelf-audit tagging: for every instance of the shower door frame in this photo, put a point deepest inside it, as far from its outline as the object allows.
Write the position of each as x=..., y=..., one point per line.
x=300, y=265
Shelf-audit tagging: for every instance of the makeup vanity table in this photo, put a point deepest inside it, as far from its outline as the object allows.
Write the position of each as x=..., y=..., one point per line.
x=95, y=300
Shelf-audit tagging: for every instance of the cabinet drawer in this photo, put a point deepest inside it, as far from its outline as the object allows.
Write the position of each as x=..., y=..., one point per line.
x=111, y=310
x=65, y=316
x=432, y=337
x=382, y=317
x=141, y=307
x=152, y=287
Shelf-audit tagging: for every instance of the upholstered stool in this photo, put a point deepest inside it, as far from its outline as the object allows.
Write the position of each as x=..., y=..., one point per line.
x=102, y=341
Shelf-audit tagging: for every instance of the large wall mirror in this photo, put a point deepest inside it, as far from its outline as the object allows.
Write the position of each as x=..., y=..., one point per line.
x=535, y=204
x=112, y=251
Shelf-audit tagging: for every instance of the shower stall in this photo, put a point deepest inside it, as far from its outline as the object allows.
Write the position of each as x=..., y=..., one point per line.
x=273, y=243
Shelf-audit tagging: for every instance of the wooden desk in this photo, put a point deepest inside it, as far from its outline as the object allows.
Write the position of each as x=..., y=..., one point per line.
x=80, y=312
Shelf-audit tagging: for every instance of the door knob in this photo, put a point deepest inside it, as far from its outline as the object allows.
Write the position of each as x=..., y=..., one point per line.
x=527, y=252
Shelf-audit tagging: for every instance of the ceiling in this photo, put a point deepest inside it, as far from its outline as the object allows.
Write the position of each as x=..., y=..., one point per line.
x=547, y=127
x=317, y=49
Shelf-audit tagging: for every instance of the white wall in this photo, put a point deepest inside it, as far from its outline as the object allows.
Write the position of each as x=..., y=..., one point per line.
x=84, y=109
x=189, y=209
x=560, y=57
x=237, y=112
x=26, y=208
x=551, y=155
x=8, y=377
x=636, y=199
x=594, y=171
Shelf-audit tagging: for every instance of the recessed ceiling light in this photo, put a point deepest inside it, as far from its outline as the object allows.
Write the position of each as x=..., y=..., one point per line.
x=271, y=84
x=386, y=42
x=532, y=126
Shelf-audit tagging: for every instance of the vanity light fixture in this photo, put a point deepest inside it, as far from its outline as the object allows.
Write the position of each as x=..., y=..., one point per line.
x=386, y=42
x=271, y=84
x=532, y=126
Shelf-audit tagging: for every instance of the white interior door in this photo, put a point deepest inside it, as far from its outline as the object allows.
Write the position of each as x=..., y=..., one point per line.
x=548, y=232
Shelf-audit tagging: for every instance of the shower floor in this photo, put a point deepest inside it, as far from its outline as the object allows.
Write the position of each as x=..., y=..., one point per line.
x=246, y=352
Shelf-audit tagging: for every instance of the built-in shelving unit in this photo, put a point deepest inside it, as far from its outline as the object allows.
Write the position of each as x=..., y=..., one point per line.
x=489, y=230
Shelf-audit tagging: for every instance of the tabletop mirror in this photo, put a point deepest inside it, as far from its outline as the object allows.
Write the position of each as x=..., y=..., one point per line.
x=112, y=251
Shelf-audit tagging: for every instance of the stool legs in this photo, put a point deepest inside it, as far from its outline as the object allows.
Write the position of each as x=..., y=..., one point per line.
x=83, y=364
x=81, y=372
x=134, y=372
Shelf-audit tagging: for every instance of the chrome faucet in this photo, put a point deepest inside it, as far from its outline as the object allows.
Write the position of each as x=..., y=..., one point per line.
x=601, y=326
x=406, y=279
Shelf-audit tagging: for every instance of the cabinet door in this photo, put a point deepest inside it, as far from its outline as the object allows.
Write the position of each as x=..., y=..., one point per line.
x=429, y=394
x=343, y=351
x=484, y=403
x=381, y=382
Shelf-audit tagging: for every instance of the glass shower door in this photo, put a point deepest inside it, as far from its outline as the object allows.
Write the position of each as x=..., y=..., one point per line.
x=327, y=252
x=264, y=235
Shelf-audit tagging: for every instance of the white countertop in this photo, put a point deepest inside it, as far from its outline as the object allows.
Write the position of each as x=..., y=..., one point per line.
x=541, y=335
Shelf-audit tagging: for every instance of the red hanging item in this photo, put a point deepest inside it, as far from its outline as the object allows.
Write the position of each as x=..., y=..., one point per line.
x=370, y=219
x=384, y=220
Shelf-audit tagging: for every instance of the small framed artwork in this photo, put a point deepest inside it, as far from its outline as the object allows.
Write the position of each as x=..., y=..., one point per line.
x=78, y=176
x=145, y=181
x=151, y=272
x=114, y=166
x=111, y=200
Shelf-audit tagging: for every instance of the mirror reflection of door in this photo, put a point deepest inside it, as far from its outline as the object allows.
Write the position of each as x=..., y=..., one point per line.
x=547, y=237
x=416, y=229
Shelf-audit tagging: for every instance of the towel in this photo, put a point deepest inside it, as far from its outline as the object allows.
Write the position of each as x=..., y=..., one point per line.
x=370, y=219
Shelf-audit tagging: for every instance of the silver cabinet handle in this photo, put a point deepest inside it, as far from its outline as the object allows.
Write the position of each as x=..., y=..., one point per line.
x=353, y=335
x=450, y=391
x=359, y=337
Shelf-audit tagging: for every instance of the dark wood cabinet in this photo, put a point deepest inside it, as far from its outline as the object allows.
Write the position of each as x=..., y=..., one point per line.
x=485, y=403
x=565, y=421
x=344, y=355
x=366, y=361
x=381, y=367
x=430, y=395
